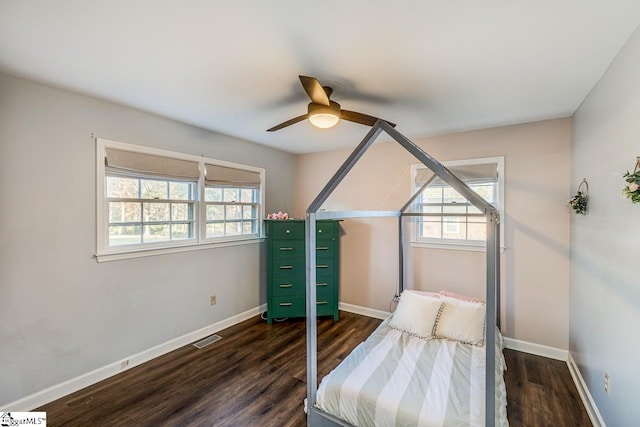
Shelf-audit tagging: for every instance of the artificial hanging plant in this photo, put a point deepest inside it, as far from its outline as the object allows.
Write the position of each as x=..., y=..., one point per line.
x=579, y=202
x=632, y=188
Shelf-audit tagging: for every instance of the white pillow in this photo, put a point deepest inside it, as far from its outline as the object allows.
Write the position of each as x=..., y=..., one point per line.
x=416, y=314
x=461, y=321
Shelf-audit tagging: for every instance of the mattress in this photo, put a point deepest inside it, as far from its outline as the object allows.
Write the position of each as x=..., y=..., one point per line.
x=396, y=379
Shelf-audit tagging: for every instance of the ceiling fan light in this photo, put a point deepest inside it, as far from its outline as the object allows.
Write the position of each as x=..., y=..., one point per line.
x=324, y=120
x=324, y=116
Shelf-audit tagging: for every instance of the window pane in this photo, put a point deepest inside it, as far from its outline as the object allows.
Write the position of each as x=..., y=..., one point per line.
x=155, y=212
x=215, y=230
x=233, y=229
x=181, y=231
x=462, y=209
x=124, y=212
x=432, y=195
x=123, y=188
x=247, y=195
x=454, y=229
x=179, y=190
x=432, y=209
x=215, y=212
x=474, y=210
x=181, y=212
x=124, y=235
x=231, y=194
x=431, y=228
x=233, y=212
x=249, y=212
x=153, y=189
x=156, y=233
x=477, y=231
x=213, y=194
x=248, y=227
x=486, y=191
x=450, y=195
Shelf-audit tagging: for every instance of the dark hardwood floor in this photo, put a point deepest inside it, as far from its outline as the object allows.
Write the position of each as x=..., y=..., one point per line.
x=255, y=376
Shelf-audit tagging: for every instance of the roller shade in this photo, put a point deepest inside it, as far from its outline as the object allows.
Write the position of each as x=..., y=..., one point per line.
x=130, y=162
x=231, y=177
x=470, y=174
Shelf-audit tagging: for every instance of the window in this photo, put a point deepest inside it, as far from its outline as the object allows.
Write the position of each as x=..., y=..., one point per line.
x=231, y=198
x=155, y=200
x=450, y=220
x=149, y=210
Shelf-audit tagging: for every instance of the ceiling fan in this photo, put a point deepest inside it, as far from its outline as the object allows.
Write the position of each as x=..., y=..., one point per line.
x=322, y=112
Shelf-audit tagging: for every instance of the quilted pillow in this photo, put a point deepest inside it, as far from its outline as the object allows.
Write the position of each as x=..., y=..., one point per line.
x=416, y=314
x=461, y=321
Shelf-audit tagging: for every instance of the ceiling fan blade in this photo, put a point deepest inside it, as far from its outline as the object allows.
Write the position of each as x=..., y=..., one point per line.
x=288, y=123
x=315, y=90
x=363, y=119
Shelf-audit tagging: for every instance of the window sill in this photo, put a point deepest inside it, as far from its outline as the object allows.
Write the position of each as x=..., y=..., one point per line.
x=452, y=246
x=141, y=253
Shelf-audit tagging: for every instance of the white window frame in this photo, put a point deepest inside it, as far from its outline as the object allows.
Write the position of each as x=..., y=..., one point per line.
x=106, y=253
x=458, y=244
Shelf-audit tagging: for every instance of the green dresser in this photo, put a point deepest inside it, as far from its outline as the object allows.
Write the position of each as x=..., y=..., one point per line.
x=286, y=268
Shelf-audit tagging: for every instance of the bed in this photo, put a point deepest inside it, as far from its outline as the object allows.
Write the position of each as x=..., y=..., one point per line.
x=399, y=377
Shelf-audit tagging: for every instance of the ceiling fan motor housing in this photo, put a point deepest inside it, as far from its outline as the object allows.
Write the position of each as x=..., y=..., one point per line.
x=333, y=109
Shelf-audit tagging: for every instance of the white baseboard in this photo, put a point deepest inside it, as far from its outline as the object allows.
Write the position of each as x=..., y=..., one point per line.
x=357, y=309
x=585, y=395
x=537, y=349
x=57, y=391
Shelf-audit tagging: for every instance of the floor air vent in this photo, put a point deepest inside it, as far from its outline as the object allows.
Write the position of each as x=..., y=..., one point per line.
x=208, y=340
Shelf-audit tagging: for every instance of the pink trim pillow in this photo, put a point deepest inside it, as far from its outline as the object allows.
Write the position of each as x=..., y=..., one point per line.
x=461, y=297
x=424, y=293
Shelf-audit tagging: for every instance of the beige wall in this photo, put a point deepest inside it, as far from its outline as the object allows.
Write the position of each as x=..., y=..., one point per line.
x=535, y=264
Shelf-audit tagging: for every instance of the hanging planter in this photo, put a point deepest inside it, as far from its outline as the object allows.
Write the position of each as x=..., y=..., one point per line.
x=632, y=188
x=579, y=202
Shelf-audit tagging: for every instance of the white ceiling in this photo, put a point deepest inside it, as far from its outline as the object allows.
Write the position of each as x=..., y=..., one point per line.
x=231, y=66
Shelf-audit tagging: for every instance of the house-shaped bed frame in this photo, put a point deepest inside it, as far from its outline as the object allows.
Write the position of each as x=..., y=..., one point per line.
x=317, y=417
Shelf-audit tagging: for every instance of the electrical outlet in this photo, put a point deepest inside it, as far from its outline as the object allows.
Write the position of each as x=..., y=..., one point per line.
x=124, y=364
x=212, y=300
x=607, y=389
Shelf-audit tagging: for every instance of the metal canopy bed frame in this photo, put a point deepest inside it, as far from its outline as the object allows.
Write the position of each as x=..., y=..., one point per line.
x=317, y=417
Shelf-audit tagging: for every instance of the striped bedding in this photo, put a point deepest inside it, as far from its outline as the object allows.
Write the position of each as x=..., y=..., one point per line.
x=395, y=379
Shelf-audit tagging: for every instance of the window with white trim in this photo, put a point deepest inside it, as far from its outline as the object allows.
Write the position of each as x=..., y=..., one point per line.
x=150, y=199
x=231, y=198
x=450, y=220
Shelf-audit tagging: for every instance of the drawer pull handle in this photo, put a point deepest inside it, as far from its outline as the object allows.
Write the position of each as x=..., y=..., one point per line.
x=320, y=231
x=321, y=303
x=287, y=231
x=322, y=266
x=286, y=249
x=321, y=284
x=286, y=267
x=286, y=285
x=285, y=304
x=322, y=248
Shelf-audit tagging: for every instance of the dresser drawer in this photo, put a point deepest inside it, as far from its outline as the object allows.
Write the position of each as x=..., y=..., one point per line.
x=298, y=286
x=288, y=267
x=295, y=306
x=325, y=266
x=325, y=248
x=282, y=286
x=286, y=230
x=325, y=304
x=288, y=249
x=326, y=284
x=288, y=306
x=325, y=229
